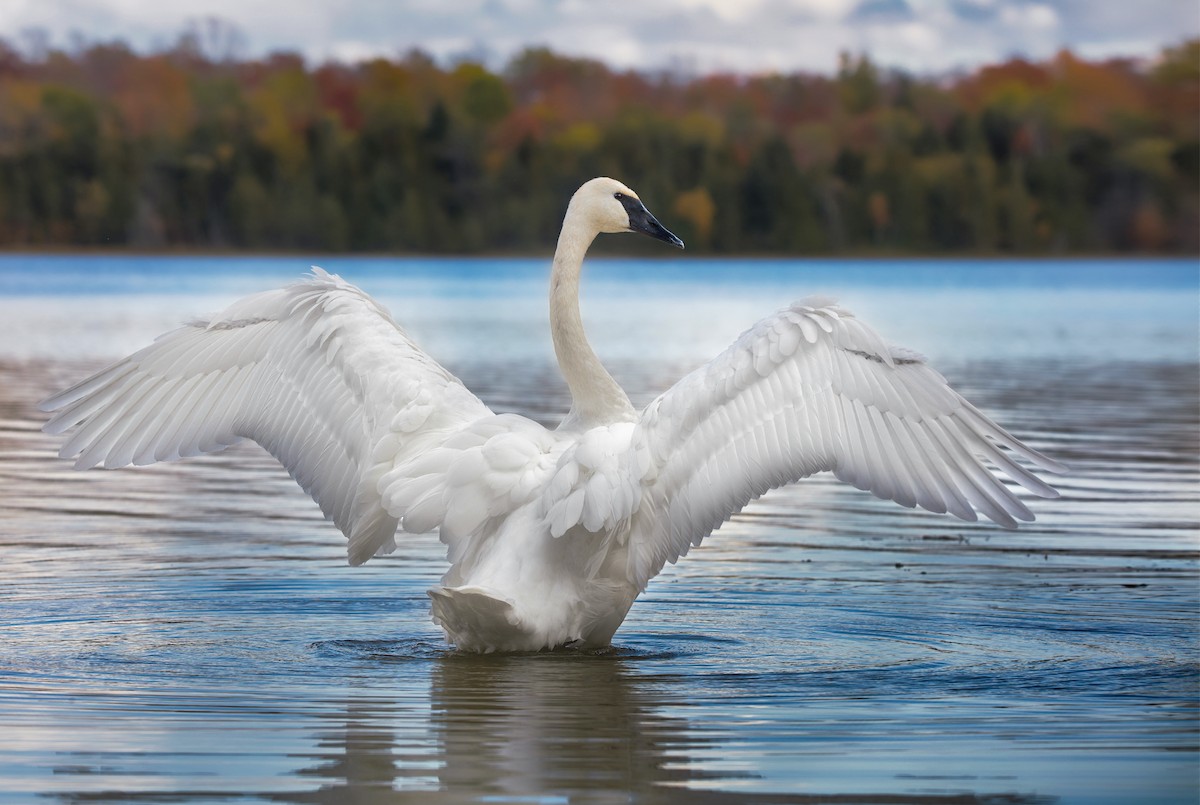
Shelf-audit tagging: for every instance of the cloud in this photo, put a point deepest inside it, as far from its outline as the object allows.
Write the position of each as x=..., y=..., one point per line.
x=740, y=35
x=1030, y=16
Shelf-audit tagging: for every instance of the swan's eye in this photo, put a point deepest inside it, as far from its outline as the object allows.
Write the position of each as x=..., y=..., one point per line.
x=618, y=196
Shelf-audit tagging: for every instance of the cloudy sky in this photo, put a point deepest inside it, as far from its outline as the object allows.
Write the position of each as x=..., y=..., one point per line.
x=739, y=35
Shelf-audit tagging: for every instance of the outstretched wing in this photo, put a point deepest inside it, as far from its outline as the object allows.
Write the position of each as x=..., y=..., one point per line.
x=807, y=390
x=317, y=373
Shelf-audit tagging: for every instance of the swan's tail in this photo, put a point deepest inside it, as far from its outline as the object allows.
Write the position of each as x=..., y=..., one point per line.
x=476, y=619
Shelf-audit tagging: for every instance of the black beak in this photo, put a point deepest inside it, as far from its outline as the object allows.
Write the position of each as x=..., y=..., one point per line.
x=640, y=220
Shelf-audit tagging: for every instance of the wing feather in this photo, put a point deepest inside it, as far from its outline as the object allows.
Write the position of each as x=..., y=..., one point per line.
x=314, y=372
x=814, y=389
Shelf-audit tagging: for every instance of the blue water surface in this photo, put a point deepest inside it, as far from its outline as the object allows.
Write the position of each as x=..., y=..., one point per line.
x=69, y=274
x=191, y=632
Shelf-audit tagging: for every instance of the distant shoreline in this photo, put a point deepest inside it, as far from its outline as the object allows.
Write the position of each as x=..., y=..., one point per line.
x=607, y=254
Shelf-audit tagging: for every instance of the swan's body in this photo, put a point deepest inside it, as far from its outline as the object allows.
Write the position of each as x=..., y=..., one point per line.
x=551, y=534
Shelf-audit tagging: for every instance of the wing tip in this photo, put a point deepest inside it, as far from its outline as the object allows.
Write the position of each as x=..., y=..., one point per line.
x=318, y=274
x=1053, y=466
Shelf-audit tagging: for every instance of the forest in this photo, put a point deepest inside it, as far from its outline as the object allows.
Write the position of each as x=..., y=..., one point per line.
x=105, y=147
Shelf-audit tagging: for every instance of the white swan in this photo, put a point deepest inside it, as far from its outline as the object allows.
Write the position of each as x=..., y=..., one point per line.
x=551, y=534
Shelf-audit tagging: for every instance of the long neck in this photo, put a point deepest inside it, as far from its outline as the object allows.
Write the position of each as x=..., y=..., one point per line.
x=596, y=398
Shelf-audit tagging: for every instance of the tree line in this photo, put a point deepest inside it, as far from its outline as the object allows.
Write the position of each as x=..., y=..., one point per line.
x=102, y=146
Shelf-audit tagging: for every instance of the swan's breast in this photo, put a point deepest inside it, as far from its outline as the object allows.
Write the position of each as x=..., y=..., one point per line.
x=596, y=485
x=485, y=471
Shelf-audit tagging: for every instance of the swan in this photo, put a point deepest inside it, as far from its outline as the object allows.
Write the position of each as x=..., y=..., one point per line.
x=550, y=534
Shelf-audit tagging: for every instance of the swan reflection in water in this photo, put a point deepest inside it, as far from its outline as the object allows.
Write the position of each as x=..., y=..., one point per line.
x=526, y=727
x=564, y=726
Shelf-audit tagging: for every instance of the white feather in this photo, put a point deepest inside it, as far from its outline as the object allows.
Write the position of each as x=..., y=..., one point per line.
x=551, y=535
x=878, y=418
x=259, y=371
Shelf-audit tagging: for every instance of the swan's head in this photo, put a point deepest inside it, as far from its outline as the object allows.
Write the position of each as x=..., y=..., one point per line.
x=609, y=206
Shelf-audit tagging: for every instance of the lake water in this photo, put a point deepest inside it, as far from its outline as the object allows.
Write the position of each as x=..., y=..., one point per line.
x=191, y=632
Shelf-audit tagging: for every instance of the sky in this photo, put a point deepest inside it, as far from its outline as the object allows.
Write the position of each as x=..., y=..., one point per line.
x=744, y=36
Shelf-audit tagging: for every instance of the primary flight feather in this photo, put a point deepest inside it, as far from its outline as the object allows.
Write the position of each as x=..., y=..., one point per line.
x=551, y=534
